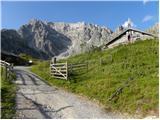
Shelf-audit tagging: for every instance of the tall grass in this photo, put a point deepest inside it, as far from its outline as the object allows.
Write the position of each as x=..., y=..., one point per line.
x=8, y=94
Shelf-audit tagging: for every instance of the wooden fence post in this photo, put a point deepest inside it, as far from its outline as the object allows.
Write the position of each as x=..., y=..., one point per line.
x=54, y=60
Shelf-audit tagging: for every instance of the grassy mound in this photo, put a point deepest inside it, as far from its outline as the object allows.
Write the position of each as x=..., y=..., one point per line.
x=8, y=94
x=135, y=64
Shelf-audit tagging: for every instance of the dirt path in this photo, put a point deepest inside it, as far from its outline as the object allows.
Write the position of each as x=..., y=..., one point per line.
x=36, y=99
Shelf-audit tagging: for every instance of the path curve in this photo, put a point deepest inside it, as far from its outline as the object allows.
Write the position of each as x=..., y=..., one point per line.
x=36, y=99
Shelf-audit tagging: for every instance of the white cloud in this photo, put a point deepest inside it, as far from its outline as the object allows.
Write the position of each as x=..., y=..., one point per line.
x=128, y=22
x=147, y=18
x=145, y=1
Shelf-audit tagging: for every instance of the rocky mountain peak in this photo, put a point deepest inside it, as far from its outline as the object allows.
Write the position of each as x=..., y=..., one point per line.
x=154, y=29
x=34, y=21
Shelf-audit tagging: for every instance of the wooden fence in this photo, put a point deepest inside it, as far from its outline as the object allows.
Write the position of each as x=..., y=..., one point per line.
x=8, y=68
x=77, y=66
x=63, y=70
x=59, y=70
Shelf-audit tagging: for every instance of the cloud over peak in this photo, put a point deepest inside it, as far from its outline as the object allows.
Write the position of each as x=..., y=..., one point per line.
x=147, y=18
x=128, y=23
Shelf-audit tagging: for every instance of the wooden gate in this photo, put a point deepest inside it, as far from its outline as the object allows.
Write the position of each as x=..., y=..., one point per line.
x=59, y=70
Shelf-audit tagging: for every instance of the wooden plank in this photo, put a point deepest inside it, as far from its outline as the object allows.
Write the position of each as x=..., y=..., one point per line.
x=58, y=67
x=58, y=64
x=62, y=70
x=59, y=74
x=53, y=70
x=64, y=74
x=56, y=73
x=60, y=77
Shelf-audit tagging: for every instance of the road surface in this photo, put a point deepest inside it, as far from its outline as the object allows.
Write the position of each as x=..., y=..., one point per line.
x=36, y=99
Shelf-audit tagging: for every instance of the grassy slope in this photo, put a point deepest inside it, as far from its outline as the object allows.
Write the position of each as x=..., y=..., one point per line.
x=8, y=94
x=138, y=61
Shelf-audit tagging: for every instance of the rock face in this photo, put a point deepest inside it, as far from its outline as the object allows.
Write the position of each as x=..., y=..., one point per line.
x=13, y=43
x=154, y=29
x=58, y=39
x=83, y=36
x=40, y=36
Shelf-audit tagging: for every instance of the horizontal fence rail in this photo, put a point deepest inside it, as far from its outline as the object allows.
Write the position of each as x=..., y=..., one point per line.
x=77, y=66
x=63, y=70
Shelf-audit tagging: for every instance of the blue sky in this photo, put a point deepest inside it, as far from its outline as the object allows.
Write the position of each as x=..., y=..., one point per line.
x=109, y=14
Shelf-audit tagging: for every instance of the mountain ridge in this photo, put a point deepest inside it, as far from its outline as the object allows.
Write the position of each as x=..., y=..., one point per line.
x=60, y=39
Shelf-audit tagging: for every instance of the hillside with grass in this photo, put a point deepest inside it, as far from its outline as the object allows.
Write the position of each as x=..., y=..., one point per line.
x=133, y=67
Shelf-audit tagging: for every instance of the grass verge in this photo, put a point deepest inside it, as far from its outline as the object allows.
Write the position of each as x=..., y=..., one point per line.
x=8, y=94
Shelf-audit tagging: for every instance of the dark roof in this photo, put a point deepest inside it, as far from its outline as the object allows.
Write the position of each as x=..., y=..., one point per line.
x=129, y=29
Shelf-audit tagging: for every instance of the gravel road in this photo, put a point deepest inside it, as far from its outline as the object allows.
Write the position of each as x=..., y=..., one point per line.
x=36, y=99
